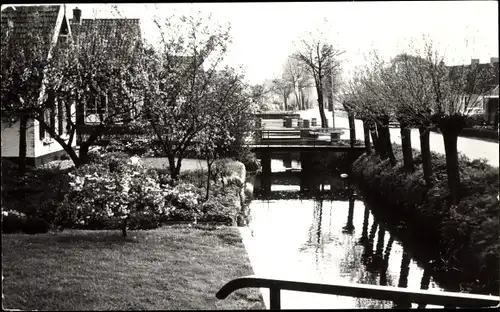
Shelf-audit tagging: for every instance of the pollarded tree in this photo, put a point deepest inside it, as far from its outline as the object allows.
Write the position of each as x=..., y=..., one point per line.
x=455, y=90
x=358, y=101
x=411, y=90
x=321, y=60
x=376, y=88
x=181, y=70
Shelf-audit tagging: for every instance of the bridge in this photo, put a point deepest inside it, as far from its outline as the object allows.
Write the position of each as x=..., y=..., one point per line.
x=278, y=132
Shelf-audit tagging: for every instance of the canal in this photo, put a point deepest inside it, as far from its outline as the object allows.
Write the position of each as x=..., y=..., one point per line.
x=325, y=233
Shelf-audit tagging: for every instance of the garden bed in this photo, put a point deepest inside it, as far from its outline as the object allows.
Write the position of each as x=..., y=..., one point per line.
x=174, y=267
x=465, y=236
x=37, y=196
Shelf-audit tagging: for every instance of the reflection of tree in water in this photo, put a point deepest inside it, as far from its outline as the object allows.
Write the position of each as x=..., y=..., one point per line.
x=368, y=246
x=403, y=278
x=426, y=280
x=349, y=227
x=385, y=262
x=364, y=234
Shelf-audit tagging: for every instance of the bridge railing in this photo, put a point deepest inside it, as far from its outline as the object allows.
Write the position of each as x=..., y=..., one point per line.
x=395, y=294
x=302, y=136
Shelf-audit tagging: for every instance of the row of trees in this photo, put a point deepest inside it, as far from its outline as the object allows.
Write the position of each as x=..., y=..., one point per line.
x=417, y=90
x=176, y=91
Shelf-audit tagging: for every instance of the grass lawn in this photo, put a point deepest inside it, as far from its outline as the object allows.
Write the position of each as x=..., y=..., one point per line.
x=174, y=267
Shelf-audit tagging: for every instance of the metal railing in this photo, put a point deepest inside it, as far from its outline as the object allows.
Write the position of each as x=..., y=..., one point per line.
x=395, y=294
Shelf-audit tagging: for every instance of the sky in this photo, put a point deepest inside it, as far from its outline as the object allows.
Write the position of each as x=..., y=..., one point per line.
x=266, y=33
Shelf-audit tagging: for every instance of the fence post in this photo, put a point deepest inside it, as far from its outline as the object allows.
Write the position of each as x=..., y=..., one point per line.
x=275, y=298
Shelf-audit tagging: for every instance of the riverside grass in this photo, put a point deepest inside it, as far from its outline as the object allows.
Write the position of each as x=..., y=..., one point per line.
x=467, y=235
x=169, y=268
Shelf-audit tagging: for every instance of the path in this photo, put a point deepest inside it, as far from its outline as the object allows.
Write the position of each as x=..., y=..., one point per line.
x=472, y=148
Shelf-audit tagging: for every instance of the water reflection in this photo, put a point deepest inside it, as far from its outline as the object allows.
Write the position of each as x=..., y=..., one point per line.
x=349, y=227
x=308, y=233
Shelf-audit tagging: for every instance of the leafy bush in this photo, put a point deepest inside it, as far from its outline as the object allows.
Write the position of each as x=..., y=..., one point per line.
x=15, y=222
x=113, y=190
x=12, y=221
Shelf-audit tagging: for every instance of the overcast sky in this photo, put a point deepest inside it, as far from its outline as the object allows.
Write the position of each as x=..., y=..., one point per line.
x=264, y=33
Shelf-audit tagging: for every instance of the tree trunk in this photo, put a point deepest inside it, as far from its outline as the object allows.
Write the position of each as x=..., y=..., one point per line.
x=366, y=132
x=352, y=129
x=23, y=126
x=450, y=128
x=302, y=100
x=172, y=167
x=382, y=146
x=373, y=132
x=387, y=140
x=124, y=227
x=324, y=121
x=406, y=147
x=285, y=100
x=209, y=173
x=425, y=151
x=178, y=167
x=83, y=155
x=297, y=99
x=495, y=121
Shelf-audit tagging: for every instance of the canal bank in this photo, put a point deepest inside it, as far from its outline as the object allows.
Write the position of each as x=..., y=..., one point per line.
x=458, y=243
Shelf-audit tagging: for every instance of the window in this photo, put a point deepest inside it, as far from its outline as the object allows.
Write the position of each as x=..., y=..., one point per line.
x=48, y=115
x=96, y=109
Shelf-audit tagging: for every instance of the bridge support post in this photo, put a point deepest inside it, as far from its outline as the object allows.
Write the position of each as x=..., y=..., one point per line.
x=306, y=165
x=266, y=171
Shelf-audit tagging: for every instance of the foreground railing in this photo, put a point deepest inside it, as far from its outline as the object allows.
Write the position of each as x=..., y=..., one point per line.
x=403, y=295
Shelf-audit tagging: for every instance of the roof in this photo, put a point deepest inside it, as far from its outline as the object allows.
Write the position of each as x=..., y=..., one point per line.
x=116, y=31
x=22, y=22
x=492, y=82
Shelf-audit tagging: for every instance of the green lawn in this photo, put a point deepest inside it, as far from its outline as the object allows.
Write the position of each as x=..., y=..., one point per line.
x=175, y=267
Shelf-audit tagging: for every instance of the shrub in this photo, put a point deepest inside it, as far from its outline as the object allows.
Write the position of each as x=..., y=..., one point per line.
x=12, y=221
x=113, y=190
x=34, y=225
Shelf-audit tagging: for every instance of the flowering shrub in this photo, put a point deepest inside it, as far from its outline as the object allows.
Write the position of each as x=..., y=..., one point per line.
x=185, y=197
x=116, y=190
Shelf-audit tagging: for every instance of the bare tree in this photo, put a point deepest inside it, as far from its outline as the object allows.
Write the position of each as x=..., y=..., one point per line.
x=283, y=88
x=320, y=59
x=298, y=77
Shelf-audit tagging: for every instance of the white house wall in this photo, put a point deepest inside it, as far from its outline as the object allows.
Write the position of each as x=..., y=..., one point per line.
x=42, y=148
x=10, y=140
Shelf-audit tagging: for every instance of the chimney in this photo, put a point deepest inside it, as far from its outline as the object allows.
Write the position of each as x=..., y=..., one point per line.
x=474, y=61
x=493, y=60
x=77, y=16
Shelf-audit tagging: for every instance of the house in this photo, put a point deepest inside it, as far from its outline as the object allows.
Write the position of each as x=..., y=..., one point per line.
x=51, y=24
x=121, y=38
x=488, y=100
